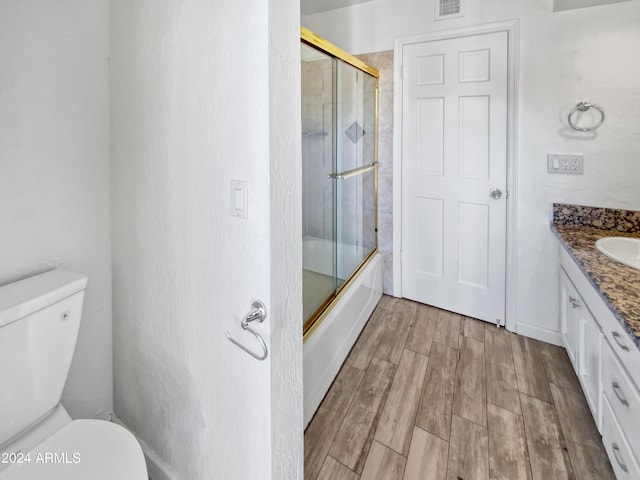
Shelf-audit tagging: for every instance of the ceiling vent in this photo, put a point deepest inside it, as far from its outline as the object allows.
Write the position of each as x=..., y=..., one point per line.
x=449, y=9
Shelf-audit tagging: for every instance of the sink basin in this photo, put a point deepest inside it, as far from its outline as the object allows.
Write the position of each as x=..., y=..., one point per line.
x=621, y=249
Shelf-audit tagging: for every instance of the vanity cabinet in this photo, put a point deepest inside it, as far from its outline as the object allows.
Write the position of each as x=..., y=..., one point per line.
x=607, y=363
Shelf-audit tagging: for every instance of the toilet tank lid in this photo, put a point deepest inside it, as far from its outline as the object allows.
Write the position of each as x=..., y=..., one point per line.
x=24, y=297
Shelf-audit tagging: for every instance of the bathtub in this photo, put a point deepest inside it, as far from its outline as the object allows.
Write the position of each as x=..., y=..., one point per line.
x=318, y=256
x=328, y=346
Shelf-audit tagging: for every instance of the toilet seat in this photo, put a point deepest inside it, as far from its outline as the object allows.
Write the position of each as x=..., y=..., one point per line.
x=83, y=449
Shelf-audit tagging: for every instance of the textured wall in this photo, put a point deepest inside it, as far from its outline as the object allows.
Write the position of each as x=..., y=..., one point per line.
x=191, y=110
x=54, y=169
x=287, y=451
x=565, y=57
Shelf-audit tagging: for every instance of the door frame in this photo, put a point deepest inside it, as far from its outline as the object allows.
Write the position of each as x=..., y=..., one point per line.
x=512, y=27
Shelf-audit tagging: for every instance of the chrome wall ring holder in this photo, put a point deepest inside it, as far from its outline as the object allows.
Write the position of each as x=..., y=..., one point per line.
x=258, y=313
x=583, y=107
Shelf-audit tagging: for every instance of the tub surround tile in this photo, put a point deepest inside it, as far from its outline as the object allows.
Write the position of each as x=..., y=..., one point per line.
x=387, y=273
x=383, y=61
x=385, y=225
x=385, y=193
x=617, y=284
x=385, y=151
x=385, y=111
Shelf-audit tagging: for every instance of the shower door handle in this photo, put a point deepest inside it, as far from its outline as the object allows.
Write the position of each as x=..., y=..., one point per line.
x=353, y=172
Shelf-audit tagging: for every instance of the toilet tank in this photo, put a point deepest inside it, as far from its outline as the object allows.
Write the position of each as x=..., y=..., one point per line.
x=39, y=321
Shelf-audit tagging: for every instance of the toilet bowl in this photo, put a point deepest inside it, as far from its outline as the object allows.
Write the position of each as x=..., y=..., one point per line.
x=39, y=322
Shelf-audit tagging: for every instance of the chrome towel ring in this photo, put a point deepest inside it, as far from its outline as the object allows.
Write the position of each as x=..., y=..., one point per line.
x=258, y=313
x=583, y=107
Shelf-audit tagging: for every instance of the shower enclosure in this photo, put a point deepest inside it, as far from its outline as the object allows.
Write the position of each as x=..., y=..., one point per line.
x=339, y=171
x=339, y=168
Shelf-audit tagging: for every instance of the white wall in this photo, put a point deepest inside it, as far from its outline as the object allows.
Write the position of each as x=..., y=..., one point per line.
x=54, y=169
x=586, y=54
x=559, y=5
x=285, y=168
x=198, y=89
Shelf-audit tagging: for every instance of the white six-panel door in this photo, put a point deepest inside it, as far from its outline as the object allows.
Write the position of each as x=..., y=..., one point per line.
x=454, y=156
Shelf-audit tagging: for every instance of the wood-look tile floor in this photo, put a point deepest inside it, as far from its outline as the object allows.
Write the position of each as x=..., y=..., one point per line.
x=429, y=394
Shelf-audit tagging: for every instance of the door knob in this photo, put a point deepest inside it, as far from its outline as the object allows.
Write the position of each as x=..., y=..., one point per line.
x=495, y=193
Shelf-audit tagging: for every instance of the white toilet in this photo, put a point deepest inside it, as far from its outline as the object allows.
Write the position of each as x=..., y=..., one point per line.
x=39, y=322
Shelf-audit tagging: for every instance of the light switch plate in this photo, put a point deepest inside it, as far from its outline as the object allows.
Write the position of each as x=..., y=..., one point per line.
x=565, y=163
x=239, y=199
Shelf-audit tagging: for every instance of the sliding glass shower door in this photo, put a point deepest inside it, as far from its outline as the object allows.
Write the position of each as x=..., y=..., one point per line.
x=319, y=275
x=355, y=178
x=339, y=151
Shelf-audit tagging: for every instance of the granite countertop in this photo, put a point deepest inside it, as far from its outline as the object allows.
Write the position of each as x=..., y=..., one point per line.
x=617, y=284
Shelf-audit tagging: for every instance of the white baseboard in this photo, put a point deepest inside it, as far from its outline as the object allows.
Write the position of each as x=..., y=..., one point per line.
x=542, y=334
x=156, y=467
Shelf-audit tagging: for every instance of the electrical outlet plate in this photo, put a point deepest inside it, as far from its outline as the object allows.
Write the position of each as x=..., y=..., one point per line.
x=565, y=163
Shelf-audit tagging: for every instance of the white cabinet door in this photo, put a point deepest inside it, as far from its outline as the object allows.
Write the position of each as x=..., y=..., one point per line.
x=589, y=358
x=582, y=338
x=616, y=445
x=568, y=320
x=623, y=397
